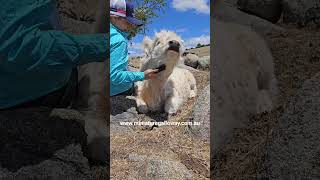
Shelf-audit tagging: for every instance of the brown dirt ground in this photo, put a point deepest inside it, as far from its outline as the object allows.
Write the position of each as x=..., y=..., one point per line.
x=297, y=58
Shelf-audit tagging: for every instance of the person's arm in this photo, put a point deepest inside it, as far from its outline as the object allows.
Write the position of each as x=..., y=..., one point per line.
x=51, y=49
x=118, y=64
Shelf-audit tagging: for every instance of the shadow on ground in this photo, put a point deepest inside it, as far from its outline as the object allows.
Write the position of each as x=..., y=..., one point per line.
x=30, y=136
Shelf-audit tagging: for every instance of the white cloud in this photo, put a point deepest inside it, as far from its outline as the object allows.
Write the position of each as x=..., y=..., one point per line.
x=200, y=6
x=192, y=42
x=177, y=30
x=136, y=49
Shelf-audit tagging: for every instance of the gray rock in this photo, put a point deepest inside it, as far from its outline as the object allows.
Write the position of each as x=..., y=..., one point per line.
x=201, y=114
x=69, y=25
x=125, y=117
x=66, y=163
x=40, y=146
x=183, y=66
x=302, y=12
x=229, y=13
x=156, y=168
x=5, y=174
x=191, y=60
x=267, y=9
x=204, y=63
x=31, y=136
x=294, y=151
x=120, y=104
x=122, y=110
x=68, y=114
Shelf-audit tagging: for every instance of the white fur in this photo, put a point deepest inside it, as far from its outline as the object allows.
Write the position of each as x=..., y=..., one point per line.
x=243, y=79
x=173, y=86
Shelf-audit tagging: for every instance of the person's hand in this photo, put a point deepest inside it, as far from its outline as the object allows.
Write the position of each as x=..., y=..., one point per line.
x=150, y=73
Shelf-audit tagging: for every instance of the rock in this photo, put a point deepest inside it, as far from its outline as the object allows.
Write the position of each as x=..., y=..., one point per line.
x=122, y=110
x=5, y=174
x=156, y=168
x=127, y=118
x=244, y=79
x=191, y=60
x=201, y=114
x=29, y=136
x=229, y=13
x=120, y=104
x=181, y=64
x=34, y=146
x=301, y=12
x=294, y=150
x=69, y=25
x=68, y=162
x=68, y=114
x=204, y=63
x=267, y=9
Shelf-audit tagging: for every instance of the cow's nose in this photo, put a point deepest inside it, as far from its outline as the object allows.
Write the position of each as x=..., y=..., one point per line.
x=174, y=43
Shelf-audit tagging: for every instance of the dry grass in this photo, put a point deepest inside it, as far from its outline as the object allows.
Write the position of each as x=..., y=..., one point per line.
x=297, y=58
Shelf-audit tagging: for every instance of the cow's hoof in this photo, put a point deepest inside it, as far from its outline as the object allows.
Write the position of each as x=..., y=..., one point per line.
x=98, y=151
x=173, y=112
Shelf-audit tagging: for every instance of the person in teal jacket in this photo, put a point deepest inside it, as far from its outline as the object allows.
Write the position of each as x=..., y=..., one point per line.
x=122, y=22
x=36, y=59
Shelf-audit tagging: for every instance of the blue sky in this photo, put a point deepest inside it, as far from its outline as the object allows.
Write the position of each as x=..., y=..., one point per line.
x=190, y=19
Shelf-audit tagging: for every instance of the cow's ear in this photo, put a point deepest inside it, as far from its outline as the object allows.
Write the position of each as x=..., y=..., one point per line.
x=147, y=44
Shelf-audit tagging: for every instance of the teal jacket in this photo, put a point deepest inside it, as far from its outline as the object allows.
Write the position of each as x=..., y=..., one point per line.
x=35, y=59
x=120, y=78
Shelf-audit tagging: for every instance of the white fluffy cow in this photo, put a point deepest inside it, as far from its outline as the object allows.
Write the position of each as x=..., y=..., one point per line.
x=174, y=85
x=243, y=79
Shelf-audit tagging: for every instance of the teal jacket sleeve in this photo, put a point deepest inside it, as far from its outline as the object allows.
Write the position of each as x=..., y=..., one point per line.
x=118, y=66
x=38, y=49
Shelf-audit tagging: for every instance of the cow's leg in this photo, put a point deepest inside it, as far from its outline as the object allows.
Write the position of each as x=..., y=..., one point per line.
x=141, y=104
x=193, y=87
x=172, y=104
x=93, y=93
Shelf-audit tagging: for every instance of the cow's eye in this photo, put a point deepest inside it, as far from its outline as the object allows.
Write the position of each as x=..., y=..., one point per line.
x=157, y=43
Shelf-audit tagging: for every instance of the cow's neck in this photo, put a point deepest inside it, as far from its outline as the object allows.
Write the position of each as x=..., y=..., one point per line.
x=155, y=86
x=164, y=75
